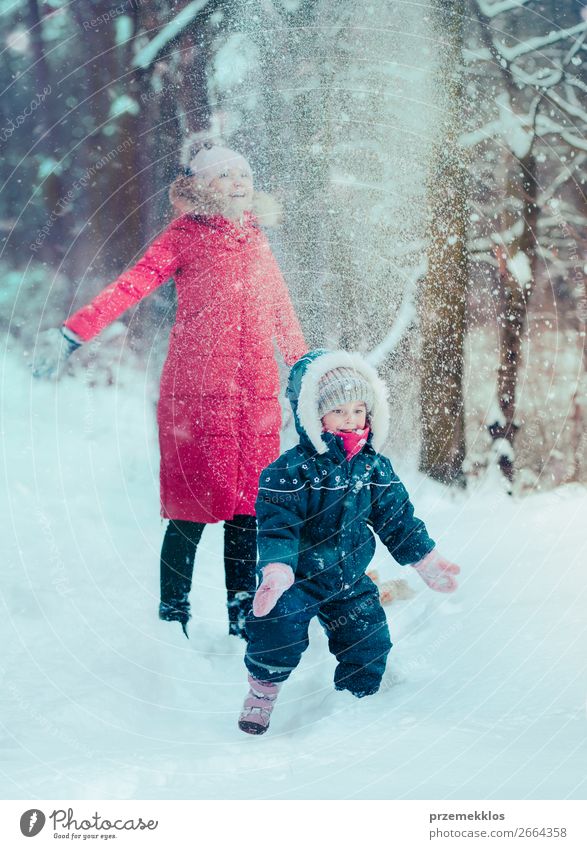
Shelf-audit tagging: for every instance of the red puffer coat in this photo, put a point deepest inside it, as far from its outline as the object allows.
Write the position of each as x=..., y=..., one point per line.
x=218, y=414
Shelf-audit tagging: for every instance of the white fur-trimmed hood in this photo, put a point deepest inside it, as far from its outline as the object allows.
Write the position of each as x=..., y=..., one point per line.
x=314, y=366
x=187, y=196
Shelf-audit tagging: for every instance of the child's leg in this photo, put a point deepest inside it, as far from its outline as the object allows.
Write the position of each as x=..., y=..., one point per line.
x=278, y=640
x=177, y=565
x=358, y=636
x=240, y=561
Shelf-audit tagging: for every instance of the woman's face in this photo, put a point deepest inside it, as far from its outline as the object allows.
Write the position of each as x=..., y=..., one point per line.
x=235, y=184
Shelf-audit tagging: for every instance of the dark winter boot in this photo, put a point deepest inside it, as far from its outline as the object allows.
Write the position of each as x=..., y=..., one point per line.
x=259, y=703
x=176, y=611
x=177, y=563
x=240, y=561
x=239, y=606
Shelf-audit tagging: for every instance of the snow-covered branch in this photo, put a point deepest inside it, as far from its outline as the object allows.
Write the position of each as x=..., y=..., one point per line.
x=531, y=45
x=564, y=176
x=404, y=318
x=543, y=78
x=492, y=10
x=480, y=54
x=475, y=137
x=147, y=54
x=516, y=130
x=505, y=237
x=482, y=256
x=575, y=81
x=569, y=108
x=546, y=222
x=546, y=126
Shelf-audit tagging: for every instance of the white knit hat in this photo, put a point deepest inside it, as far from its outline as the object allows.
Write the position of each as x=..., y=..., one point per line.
x=209, y=162
x=343, y=386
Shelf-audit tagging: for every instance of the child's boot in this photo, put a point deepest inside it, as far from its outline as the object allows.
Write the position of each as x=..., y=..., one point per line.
x=259, y=703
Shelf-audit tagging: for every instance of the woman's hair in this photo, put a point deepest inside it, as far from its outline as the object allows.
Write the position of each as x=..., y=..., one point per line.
x=188, y=194
x=181, y=193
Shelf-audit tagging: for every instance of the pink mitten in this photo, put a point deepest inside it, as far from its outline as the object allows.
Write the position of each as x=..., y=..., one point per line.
x=437, y=572
x=277, y=578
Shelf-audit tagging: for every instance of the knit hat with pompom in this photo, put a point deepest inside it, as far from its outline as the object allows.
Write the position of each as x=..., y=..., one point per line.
x=342, y=386
x=210, y=162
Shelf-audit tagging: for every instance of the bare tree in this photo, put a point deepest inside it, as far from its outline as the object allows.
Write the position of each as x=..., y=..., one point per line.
x=533, y=88
x=49, y=180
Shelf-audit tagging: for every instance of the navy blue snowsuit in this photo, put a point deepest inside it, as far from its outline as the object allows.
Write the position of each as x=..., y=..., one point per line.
x=317, y=513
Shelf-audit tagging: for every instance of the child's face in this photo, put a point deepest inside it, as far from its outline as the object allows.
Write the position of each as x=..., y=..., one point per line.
x=236, y=187
x=346, y=417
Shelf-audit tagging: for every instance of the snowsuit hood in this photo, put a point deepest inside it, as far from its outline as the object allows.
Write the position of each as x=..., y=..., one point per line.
x=302, y=393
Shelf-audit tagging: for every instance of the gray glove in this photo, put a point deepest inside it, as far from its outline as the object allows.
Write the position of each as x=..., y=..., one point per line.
x=52, y=350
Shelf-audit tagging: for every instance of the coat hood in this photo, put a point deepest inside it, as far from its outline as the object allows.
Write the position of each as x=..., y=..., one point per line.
x=187, y=196
x=302, y=392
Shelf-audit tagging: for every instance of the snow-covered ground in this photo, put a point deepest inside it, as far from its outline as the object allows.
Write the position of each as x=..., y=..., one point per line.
x=485, y=695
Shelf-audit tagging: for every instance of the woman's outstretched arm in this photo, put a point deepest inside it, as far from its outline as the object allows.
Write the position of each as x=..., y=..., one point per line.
x=158, y=264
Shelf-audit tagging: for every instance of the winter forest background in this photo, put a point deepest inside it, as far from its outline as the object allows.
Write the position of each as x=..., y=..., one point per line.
x=431, y=169
x=431, y=162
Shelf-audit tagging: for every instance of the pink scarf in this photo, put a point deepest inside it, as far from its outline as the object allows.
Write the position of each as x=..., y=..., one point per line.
x=353, y=440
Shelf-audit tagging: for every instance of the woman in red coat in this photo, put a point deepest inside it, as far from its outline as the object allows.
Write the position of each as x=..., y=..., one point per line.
x=218, y=413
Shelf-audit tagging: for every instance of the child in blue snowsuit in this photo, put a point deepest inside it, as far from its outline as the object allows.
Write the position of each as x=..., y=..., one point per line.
x=317, y=508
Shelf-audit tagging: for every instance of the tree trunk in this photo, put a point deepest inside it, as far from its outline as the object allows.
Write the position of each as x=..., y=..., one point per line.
x=515, y=293
x=443, y=297
x=53, y=248
x=109, y=231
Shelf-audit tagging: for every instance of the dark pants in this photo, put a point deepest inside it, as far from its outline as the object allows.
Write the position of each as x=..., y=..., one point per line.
x=354, y=621
x=178, y=553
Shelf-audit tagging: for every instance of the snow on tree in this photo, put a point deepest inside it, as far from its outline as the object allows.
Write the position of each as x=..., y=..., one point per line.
x=443, y=295
x=527, y=131
x=334, y=107
x=337, y=108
